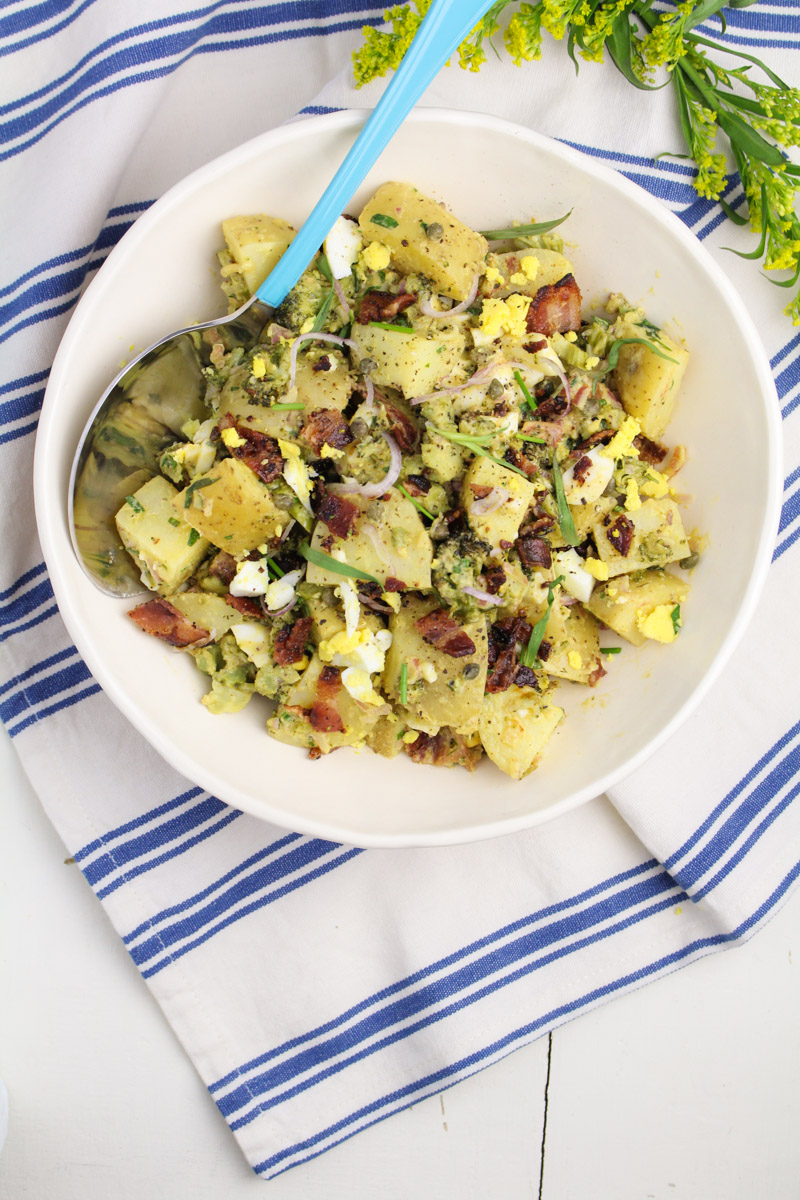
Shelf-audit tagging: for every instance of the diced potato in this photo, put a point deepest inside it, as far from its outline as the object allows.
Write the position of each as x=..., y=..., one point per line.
x=168, y=553
x=386, y=738
x=443, y=459
x=240, y=404
x=235, y=511
x=551, y=266
x=405, y=550
x=502, y=524
x=256, y=243
x=647, y=384
x=207, y=610
x=514, y=727
x=584, y=516
x=620, y=602
x=658, y=537
x=572, y=637
x=328, y=619
x=441, y=690
x=296, y=729
x=323, y=389
x=452, y=261
x=406, y=360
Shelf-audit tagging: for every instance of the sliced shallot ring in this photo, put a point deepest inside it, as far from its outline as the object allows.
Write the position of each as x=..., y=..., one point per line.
x=314, y=337
x=340, y=296
x=488, y=503
x=483, y=597
x=427, y=309
x=371, y=490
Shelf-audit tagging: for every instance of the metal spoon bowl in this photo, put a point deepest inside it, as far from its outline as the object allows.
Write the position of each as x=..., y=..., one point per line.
x=146, y=405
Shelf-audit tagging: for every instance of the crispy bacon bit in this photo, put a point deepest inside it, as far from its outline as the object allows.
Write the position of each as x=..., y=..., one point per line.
x=495, y=577
x=260, y=452
x=394, y=585
x=338, y=513
x=441, y=630
x=599, y=437
x=445, y=749
x=382, y=306
x=401, y=426
x=481, y=490
x=223, y=566
x=324, y=715
x=550, y=432
x=323, y=363
x=581, y=468
x=542, y=524
x=326, y=427
x=620, y=534
x=290, y=644
x=518, y=459
x=552, y=406
x=245, y=605
x=555, y=308
x=504, y=637
x=534, y=346
x=161, y=619
x=526, y=677
x=544, y=651
x=596, y=675
x=533, y=551
x=417, y=485
x=649, y=451
x=675, y=462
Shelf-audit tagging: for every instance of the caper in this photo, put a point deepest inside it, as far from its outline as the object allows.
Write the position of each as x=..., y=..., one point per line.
x=440, y=530
x=366, y=365
x=690, y=561
x=471, y=671
x=434, y=231
x=374, y=511
x=359, y=428
x=495, y=389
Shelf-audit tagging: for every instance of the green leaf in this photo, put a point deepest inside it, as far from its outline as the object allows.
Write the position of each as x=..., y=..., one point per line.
x=620, y=46
x=613, y=354
x=388, y=325
x=732, y=214
x=386, y=222
x=675, y=616
x=526, y=437
x=540, y=628
x=273, y=566
x=748, y=139
x=286, y=407
x=320, y=559
x=683, y=109
x=324, y=267
x=761, y=245
x=785, y=283
x=705, y=9
x=416, y=503
x=514, y=231
x=192, y=538
x=324, y=309
x=173, y=521
x=571, y=48
x=529, y=400
x=776, y=79
x=565, y=521
x=404, y=684
x=193, y=487
x=134, y=503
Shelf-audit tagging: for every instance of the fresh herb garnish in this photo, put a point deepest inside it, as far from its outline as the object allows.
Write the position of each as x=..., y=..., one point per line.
x=273, y=566
x=611, y=649
x=134, y=503
x=388, y=325
x=286, y=407
x=527, y=437
x=476, y=444
x=324, y=267
x=193, y=537
x=565, y=521
x=675, y=616
x=173, y=521
x=516, y=231
x=386, y=222
x=539, y=629
x=324, y=309
x=193, y=487
x=320, y=559
x=529, y=400
x=416, y=503
x=404, y=684
x=613, y=354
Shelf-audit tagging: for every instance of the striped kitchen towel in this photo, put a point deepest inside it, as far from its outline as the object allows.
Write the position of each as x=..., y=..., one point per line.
x=317, y=987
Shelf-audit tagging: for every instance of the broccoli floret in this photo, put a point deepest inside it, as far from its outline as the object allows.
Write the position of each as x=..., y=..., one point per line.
x=303, y=302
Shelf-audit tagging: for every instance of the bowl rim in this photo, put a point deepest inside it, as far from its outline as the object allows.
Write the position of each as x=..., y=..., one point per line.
x=49, y=515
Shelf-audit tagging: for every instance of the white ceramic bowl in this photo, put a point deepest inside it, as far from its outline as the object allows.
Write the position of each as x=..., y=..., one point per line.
x=162, y=276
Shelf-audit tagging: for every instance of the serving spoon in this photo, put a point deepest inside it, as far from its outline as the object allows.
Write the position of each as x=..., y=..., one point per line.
x=144, y=407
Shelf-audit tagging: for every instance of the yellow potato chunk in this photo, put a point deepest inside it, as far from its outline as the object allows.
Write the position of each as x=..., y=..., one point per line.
x=658, y=537
x=502, y=523
x=234, y=510
x=647, y=384
x=295, y=728
x=409, y=361
x=571, y=644
x=622, y=601
x=391, y=542
x=321, y=388
x=207, y=611
x=451, y=261
x=515, y=726
x=550, y=267
x=256, y=243
x=167, y=553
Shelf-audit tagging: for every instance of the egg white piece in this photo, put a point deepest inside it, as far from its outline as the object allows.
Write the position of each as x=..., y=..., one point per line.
x=577, y=581
x=282, y=591
x=352, y=609
x=251, y=578
x=253, y=640
x=342, y=245
x=358, y=684
x=593, y=481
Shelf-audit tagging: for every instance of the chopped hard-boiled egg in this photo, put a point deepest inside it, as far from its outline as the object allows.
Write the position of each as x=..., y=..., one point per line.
x=342, y=245
x=295, y=472
x=352, y=609
x=251, y=578
x=253, y=640
x=364, y=648
x=621, y=445
x=505, y=316
x=659, y=625
x=577, y=580
x=358, y=683
x=281, y=592
x=596, y=568
x=232, y=439
x=591, y=481
x=632, y=498
x=655, y=485
x=377, y=256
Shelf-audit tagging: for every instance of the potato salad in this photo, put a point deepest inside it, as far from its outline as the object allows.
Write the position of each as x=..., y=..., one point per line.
x=434, y=493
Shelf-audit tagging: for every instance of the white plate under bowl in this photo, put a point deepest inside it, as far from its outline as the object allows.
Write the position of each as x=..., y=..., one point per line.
x=162, y=275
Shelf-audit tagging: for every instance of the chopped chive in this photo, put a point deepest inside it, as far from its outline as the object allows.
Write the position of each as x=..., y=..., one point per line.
x=539, y=629
x=173, y=521
x=387, y=325
x=676, y=618
x=404, y=684
x=386, y=222
x=611, y=649
x=320, y=559
x=274, y=566
x=416, y=503
x=286, y=407
x=192, y=538
x=192, y=488
x=527, y=437
x=565, y=521
x=529, y=400
x=324, y=309
x=134, y=503
x=515, y=231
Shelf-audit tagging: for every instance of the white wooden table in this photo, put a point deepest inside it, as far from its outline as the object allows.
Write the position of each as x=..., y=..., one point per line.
x=685, y=1090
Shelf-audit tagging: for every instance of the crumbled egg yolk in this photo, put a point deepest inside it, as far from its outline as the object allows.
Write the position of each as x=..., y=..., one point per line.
x=591, y=362
x=494, y=276
x=658, y=625
x=392, y=599
x=295, y=472
x=632, y=500
x=596, y=568
x=570, y=336
x=655, y=485
x=232, y=439
x=622, y=442
x=519, y=278
x=307, y=325
x=377, y=256
x=330, y=451
x=363, y=649
x=410, y=736
x=359, y=685
x=574, y=659
x=529, y=264
x=259, y=367
x=505, y=316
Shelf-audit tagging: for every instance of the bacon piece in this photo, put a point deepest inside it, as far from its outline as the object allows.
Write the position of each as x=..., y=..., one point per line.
x=245, y=605
x=401, y=426
x=161, y=619
x=290, y=644
x=620, y=534
x=495, y=577
x=649, y=451
x=324, y=715
x=260, y=452
x=526, y=677
x=444, y=749
x=481, y=490
x=599, y=437
x=550, y=432
x=542, y=524
x=518, y=459
x=596, y=675
x=503, y=639
x=338, y=513
x=533, y=551
x=382, y=306
x=326, y=427
x=544, y=650
x=534, y=346
x=322, y=364
x=223, y=566
x=417, y=485
x=555, y=308
x=581, y=468
x=551, y=404
x=441, y=630
x=394, y=585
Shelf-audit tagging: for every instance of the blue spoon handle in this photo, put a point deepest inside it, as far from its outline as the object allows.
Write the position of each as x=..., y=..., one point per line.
x=446, y=25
